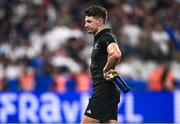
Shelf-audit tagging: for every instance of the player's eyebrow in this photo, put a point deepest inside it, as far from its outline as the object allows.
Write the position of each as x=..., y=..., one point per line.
x=88, y=20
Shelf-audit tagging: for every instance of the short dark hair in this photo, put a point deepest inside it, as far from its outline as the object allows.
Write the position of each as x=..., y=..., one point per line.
x=97, y=12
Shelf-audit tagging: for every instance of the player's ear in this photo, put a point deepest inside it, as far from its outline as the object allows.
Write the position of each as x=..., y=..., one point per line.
x=100, y=21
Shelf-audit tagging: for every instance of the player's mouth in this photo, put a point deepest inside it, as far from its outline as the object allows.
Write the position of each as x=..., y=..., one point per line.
x=88, y=29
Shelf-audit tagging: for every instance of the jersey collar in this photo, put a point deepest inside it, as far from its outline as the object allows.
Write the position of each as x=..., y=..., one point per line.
x=101, y=32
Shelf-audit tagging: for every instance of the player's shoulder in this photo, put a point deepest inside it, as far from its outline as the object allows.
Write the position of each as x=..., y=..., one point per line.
x=106, y=35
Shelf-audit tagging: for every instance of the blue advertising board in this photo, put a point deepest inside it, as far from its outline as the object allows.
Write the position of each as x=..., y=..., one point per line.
x=139, y=107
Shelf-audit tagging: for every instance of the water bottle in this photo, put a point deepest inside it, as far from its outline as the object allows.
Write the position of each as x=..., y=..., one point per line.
x=122, y=85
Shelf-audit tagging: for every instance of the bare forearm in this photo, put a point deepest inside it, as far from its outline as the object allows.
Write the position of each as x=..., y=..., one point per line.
x=114, y=55
x=111, y=62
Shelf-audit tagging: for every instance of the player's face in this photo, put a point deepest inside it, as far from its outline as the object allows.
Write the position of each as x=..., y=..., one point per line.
x=91, y=24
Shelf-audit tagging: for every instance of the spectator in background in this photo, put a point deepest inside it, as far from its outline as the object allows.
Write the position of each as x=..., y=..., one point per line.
x=74, y=49
x=130, y=35
x=3, y=85
x=27, y=80
x=12, y=71
x=59, y=80
x=161, y=79
x=161, y=43
x=83, y=82
x=145, y=45
x=174, y=36
x=2, y=81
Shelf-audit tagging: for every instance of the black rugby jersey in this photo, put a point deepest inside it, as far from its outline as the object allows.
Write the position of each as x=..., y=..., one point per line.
x=101, y=88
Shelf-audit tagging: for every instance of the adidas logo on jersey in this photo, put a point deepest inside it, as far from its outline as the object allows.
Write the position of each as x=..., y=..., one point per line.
x=96, y=46
x=89, y=111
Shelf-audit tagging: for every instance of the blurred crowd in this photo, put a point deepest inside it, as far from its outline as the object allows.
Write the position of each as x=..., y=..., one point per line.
x=44, y=46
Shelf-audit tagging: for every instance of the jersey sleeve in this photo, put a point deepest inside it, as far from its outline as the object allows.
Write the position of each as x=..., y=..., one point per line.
x=106, y=40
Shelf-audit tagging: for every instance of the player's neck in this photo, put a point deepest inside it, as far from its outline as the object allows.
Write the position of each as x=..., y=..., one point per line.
x=99, y=29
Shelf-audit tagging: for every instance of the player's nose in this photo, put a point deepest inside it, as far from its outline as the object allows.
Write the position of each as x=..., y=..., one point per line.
x=86, y=25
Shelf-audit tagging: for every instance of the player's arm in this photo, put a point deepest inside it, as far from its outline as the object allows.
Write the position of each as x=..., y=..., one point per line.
x=114, y=55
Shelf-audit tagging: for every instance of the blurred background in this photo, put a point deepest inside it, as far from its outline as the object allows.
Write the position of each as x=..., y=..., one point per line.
x=44, y=48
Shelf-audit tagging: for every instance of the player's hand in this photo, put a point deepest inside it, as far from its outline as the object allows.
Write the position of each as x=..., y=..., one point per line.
x=108, y=74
